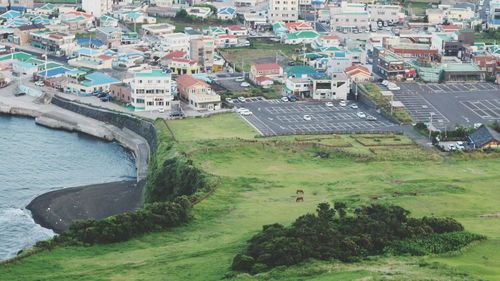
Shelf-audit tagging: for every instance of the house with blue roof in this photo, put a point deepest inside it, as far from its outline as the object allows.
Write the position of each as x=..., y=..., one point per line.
x=24, y=68
x=11, y=14
x=226, y=13
x=54, y=72
x=107, y=21
x=95, y=81
x=302, y=71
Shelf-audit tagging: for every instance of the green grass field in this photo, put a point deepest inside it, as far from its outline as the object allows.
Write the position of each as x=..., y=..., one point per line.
x=257, y=186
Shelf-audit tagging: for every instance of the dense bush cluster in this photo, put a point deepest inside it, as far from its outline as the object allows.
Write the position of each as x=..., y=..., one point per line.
x=173, y=177
x=122, y=227
x=332, y=233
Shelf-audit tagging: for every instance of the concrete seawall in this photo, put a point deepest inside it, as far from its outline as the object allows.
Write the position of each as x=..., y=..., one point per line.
x=58, y=209
x=58, y=118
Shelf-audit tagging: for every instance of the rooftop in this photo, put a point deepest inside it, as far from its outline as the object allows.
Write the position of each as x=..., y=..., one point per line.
x=151, y=73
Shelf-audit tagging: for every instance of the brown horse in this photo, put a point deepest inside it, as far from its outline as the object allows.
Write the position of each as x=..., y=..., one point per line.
x=299, y=191
x=299, y=199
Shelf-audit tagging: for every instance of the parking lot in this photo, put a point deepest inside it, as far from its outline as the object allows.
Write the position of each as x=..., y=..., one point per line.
x=275, y=117
x=451, y=104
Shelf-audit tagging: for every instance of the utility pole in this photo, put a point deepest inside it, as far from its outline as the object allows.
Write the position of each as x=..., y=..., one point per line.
x=430, y=125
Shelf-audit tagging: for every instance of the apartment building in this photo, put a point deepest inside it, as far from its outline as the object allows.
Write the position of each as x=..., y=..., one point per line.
x=283, y=10
x=111, y=36
x=385, y=13
x=494, y=16
x=56, y=42
x=349, y=17
x=151, y=90
x=202, y=49
x=175, y=42
x=97, y=8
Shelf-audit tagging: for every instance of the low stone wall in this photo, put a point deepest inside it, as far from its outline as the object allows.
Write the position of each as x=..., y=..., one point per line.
x=139, y=126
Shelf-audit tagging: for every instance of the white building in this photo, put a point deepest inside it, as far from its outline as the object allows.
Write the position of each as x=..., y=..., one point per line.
x=283, y=10
x=385, y=13
x=494, y=16
x=348, y=17
x=97, y=8
x=175, y=42
x=335, y=88
x=151, y=90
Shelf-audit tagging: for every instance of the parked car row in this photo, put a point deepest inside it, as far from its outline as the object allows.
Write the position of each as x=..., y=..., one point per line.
x=391, y=86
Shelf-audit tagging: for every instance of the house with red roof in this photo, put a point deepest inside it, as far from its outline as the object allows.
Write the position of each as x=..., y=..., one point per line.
x=197, y=93
x=226, y=40
x=298, y=26
x=270, y=70
x=358, y=73
x=326, y=41
x=236, y=30
x=184, y=66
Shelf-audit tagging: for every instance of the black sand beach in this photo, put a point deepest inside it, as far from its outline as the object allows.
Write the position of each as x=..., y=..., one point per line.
x=57, y=209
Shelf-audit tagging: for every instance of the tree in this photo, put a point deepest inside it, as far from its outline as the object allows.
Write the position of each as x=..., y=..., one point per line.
x=340, y=207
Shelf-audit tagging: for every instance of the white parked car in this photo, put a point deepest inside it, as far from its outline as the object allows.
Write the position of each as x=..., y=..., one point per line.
x=343, y=103
x=307, y=117
x=460, y=145
x=242, y=99
x=246, y=112
x=239, y=79
x=241, y=109
x=285, y=99
x=245, y=84
x=329, y=104
x=39, y=83
x=385, y=82
x=161, y=110
x=354, y=106
x=361, y=114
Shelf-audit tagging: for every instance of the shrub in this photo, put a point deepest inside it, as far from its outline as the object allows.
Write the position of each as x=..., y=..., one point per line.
x=122, y=227
x=332, y=233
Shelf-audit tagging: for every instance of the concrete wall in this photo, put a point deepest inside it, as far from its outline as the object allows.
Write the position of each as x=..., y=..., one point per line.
x=141, y=127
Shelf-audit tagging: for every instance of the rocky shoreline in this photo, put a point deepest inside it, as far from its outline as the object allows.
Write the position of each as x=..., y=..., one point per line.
x=57, y=209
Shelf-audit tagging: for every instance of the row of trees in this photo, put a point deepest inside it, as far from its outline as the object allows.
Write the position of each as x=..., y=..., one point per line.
x=156, y=216
x=333, y=233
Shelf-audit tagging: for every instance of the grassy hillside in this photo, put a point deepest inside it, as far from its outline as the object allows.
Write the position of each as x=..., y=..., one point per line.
x=257, y=179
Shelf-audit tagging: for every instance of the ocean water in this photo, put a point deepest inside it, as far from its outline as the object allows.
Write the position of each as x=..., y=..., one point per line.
x=35, y=160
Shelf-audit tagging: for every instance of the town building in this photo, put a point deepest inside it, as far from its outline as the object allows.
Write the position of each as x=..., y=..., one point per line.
x=97, y=8
x=95, y=81
x=110, y=36
x=175, y=42
x=121, y=92
x=358, y=74
x=283, y=10
x=336, y=87
x=56, y=42
x=388, y=65
x=202, y=50
x=151, y=90
x=183, y=66
x=349, y=17
x=226, y=13
x=298, y=87
x=158, y=28
x=271, y=70
x=494, y=16
x=197, y=93
x=385, y=13
x=485, y=137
